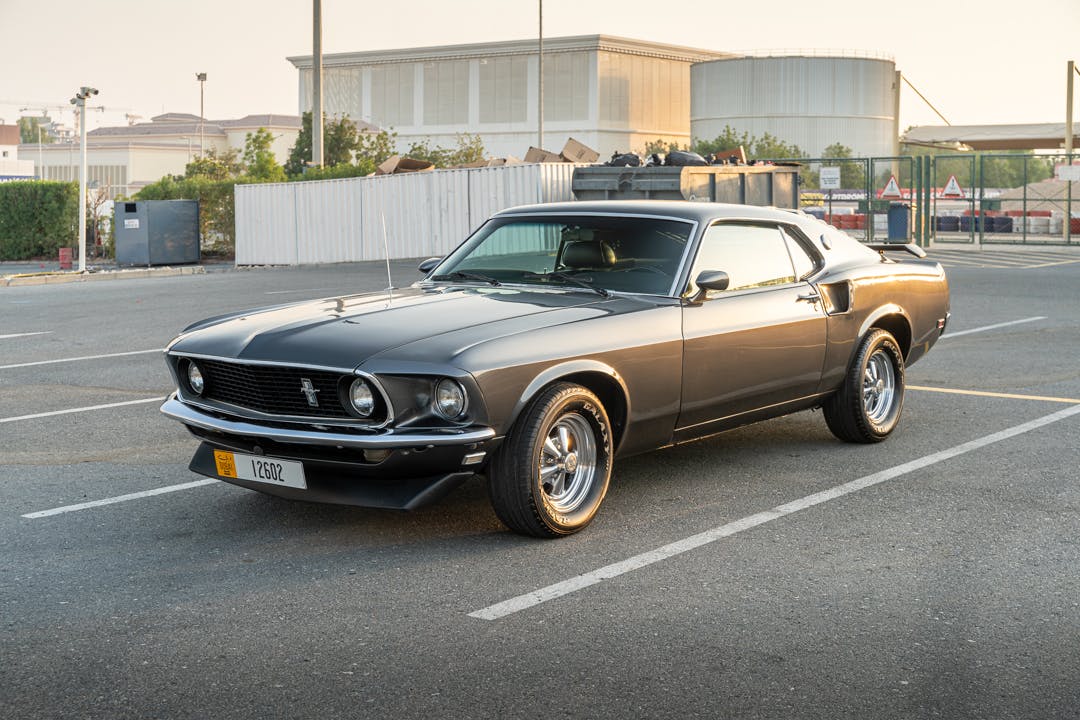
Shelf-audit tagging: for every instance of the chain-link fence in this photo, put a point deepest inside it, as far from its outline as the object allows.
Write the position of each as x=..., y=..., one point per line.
x=954, y=198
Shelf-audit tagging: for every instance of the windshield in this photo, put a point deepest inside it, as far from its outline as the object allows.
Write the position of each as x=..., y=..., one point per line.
x=597, y=253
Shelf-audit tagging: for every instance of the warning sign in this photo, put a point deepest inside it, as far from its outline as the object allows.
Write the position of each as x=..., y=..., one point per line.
x=891, y=191
x=952, y=189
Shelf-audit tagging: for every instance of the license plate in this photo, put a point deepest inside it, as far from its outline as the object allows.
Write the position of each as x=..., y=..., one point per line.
x=271, y=471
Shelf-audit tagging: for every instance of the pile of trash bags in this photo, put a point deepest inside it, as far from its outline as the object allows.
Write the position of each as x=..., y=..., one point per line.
x=677, y=158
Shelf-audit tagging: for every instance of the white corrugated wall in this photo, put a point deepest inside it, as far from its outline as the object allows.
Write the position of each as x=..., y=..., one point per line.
x=414, y=214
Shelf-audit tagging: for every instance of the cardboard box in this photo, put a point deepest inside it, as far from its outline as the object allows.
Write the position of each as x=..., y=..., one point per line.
x=536, y=155
x=737, y=155
x=499, y=162
x=577, y=152
x=398, y=164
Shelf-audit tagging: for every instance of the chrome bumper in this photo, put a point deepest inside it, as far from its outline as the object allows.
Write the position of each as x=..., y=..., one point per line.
x=383, y=440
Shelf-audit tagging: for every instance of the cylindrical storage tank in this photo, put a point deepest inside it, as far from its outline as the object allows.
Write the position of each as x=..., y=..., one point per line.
x=811, y=102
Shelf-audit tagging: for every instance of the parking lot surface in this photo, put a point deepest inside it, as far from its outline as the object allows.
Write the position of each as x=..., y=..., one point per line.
x=769, y=572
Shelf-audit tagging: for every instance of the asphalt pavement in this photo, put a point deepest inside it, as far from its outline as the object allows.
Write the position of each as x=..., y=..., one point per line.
x=769, y=572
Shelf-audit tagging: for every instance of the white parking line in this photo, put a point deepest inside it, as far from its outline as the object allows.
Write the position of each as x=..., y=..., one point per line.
x=84, y=357
x=552, y=592
x=293, y=292
x=992, y=327
x=120, y=498
x=15, y=335
x=88, y=408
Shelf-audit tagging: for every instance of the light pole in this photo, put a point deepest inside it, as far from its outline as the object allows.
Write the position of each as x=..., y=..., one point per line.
x=79, y=101
x=201, y=77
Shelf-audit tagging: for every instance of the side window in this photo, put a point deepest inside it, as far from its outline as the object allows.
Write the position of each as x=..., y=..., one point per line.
x=804, y=262
x=753, y=256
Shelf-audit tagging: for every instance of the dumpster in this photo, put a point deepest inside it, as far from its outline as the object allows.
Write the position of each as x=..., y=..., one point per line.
x=898, y=221
x=156, y=232
x=776, y=185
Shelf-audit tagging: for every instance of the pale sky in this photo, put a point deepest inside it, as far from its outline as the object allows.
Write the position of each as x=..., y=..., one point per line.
x=979, y=62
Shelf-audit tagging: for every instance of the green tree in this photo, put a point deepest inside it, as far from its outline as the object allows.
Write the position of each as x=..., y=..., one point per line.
x=28, y=130
x=770, y=147
x=852, y=173
x=663, y=147
x=260, y=164
x=1010, y=169
x=469, y=148
x=766, y=147
x=340, y=143
x=376, y=147
x=729, y=139
x=215, y=166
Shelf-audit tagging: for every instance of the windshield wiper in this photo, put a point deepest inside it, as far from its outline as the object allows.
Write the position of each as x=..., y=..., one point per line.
x=572, y=280
x=466, y=275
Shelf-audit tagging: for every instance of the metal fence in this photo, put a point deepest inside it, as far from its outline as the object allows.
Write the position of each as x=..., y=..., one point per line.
x=953, y=198
x=396, y=216
x=956, y=198
x=1006, y=198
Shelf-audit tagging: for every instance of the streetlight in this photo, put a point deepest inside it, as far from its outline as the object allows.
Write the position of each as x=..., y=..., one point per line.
x=79, y=101
x=201, y=77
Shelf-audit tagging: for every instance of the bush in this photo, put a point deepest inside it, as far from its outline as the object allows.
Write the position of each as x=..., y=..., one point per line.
x=37, y=218
x=217, y=209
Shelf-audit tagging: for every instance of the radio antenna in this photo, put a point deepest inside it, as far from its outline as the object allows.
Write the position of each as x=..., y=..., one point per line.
x=386, y=254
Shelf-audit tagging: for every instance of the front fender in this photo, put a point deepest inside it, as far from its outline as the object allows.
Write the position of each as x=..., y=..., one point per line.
x=554, y=373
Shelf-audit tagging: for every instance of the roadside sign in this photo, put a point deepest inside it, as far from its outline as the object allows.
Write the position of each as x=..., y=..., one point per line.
x=952, y=189
x=891, y=191
x=1070, y=173
x=830, y=178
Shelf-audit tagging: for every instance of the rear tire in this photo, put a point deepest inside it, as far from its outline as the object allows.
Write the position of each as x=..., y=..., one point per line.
x=552, y=471
x=866, y=408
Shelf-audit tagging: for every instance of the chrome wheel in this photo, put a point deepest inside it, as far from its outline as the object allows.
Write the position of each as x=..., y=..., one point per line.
x=878, y=387
x=568, y=462
x=866, y=407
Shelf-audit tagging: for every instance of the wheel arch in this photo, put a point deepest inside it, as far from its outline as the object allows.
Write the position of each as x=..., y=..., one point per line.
x=599, y=378
x=894, y=320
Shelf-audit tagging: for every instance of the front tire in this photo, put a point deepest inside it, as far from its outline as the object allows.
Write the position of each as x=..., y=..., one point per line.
x=551, y=473
x=866, y=408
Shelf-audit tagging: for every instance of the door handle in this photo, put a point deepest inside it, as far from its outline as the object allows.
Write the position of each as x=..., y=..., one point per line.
x=811, y=297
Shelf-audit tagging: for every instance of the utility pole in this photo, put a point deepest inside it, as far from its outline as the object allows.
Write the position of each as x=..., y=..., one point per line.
x=540, y=82
x=1067, y=224
x=79, y=101
x=316, y=86
x=201, y=77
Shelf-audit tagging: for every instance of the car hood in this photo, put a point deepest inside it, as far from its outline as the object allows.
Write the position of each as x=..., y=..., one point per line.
x=343, y=332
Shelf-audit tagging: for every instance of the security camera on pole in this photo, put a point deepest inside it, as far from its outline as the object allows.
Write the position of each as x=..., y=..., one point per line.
x=79, y=101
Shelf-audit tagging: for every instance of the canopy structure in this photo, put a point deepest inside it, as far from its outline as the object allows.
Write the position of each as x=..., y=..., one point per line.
x=1036, y=136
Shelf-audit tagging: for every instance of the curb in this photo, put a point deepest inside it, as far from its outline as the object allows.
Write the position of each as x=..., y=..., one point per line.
x=60, y=278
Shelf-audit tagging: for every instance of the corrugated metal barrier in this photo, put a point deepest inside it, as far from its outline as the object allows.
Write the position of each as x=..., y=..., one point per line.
x=403, y=216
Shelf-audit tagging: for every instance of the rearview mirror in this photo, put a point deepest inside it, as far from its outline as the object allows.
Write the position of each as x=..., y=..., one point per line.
x=428, y=265
x=713, y=280
x=709, y=280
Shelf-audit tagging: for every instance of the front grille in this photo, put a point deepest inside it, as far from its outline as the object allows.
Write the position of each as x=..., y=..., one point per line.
x=271, y=389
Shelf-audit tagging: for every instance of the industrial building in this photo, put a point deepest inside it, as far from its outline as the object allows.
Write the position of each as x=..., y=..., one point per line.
x=125, y=158
x=11, y=167
x=608, y=92
x=806, y=100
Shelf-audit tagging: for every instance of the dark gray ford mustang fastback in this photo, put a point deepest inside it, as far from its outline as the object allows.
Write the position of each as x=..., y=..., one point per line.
x=553, y=340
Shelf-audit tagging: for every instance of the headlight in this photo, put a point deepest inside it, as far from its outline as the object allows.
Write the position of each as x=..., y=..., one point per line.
x=449, y=399
x=362, y=397
x=195, y=378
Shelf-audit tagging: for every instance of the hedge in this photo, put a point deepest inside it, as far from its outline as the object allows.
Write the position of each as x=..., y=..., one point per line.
x=37, y=218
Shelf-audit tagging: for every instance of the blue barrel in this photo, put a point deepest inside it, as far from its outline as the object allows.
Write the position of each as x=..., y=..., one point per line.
x=898, y=221
x=1003, y=224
